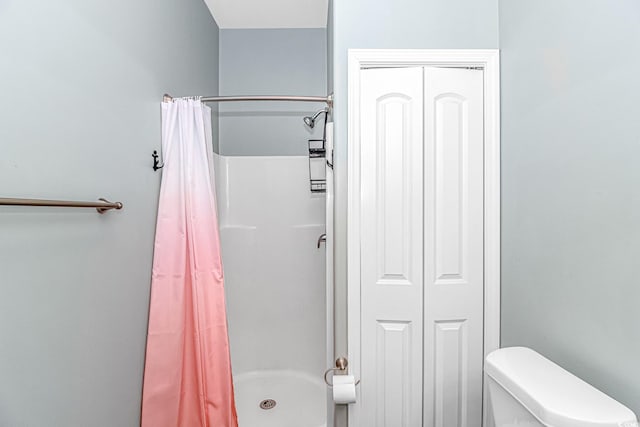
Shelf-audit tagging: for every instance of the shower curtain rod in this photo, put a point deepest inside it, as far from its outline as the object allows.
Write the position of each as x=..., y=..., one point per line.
x=102, y=206
x=326, y=99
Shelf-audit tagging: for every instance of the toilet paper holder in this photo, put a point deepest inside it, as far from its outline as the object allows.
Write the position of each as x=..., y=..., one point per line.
x=341, y=365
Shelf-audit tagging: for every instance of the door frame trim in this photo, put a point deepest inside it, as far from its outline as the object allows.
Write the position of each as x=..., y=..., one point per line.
x=489, y=61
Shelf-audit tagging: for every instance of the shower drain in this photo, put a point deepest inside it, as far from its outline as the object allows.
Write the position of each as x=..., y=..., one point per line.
x=267, y=404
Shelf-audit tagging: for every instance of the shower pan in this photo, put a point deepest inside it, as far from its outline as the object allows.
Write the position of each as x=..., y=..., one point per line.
x=275, y=279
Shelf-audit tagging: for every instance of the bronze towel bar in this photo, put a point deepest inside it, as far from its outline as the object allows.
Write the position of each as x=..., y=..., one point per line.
x=102, y=206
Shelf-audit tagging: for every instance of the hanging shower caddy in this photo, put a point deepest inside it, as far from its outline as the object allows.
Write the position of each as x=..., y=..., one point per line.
x=317, y=161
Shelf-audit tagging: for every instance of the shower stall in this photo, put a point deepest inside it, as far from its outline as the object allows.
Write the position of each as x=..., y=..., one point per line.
x=270, y=112
x=272, y=229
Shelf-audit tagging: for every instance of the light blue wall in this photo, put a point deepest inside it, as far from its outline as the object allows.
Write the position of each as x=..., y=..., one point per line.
x=270, y=62
x=570, y=176
x=81, y=83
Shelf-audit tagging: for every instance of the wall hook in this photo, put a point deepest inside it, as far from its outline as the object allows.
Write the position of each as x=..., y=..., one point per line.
x=156, y=162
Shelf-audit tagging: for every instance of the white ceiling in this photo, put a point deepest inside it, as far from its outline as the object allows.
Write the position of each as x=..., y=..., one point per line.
x=269, y=13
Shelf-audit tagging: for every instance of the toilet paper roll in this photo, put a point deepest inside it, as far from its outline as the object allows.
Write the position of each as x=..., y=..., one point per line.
x=344, y=389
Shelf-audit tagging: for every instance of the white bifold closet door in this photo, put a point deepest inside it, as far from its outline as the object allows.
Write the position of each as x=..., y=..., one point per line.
x=421, y=195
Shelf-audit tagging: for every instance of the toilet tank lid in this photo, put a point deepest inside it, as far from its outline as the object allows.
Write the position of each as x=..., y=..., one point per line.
x=553, y=395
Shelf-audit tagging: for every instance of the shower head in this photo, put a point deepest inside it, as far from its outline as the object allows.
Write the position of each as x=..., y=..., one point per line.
x=311, y=121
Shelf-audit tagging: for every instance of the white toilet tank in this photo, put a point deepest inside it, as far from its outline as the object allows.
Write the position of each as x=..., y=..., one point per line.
x=526, y=389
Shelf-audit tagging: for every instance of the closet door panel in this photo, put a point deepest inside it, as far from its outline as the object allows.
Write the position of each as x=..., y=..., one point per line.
x=391, y=247
x=453, y=233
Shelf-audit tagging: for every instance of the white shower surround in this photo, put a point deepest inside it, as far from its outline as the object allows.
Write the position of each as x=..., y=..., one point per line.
x=274, y=278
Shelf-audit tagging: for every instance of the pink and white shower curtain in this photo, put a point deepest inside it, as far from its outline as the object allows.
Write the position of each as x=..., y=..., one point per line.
x=187, y=377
